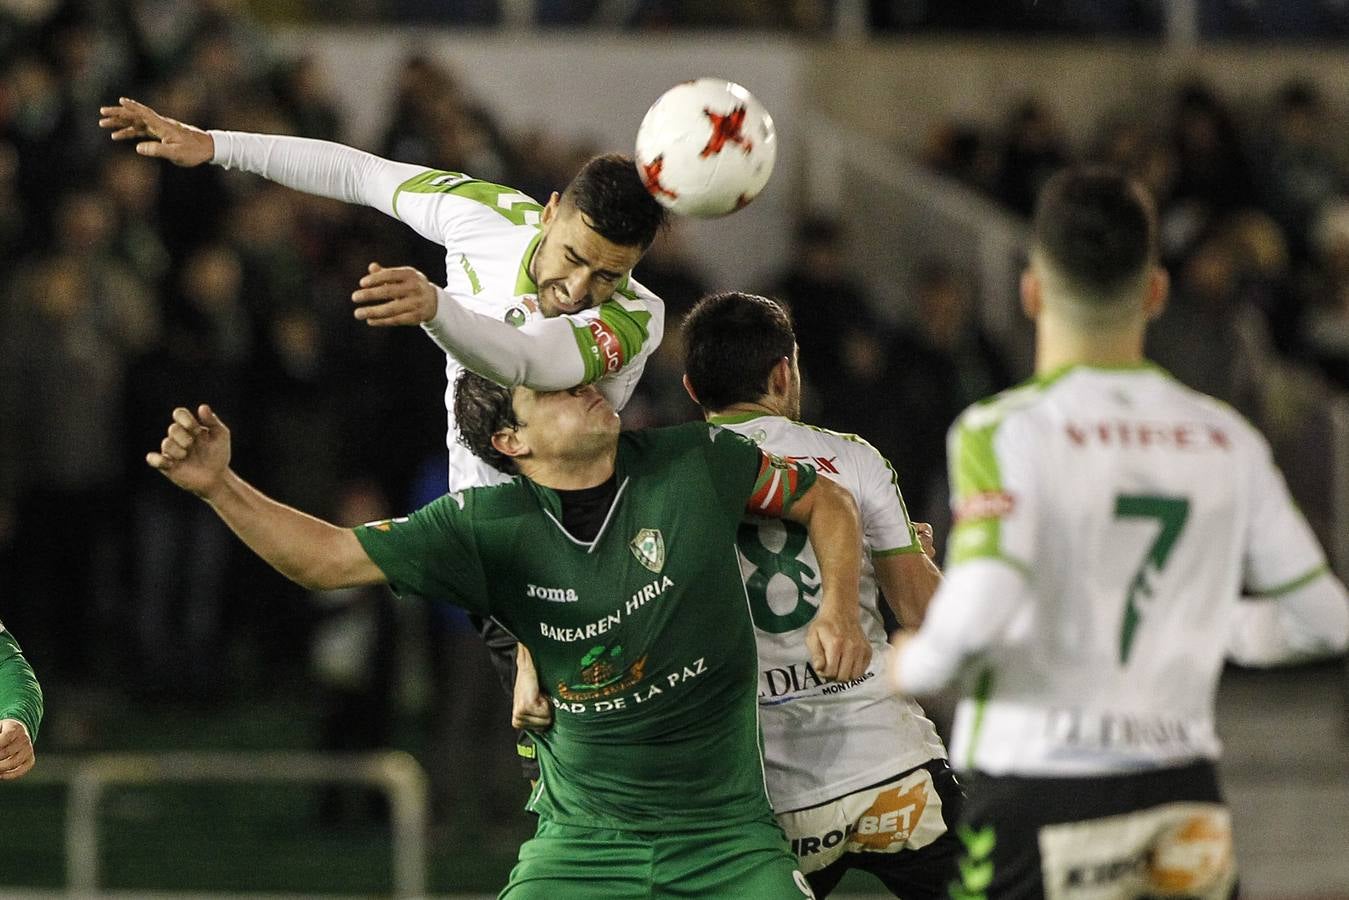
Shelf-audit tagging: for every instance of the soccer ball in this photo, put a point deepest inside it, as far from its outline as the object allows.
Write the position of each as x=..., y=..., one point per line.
x=706, y=148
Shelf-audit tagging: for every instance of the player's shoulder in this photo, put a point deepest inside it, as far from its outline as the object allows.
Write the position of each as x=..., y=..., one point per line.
x=996, y=410
x=485, y=503
x=658, y=446
x=496, y=202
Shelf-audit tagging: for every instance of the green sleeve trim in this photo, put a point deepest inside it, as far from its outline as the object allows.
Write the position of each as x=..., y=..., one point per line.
x=612, y=341
x=1289, y=586
x=983, y=689
x=975, y=470
x=20, y=693
x=1015, y=563
x=915, y=547
x=515, y=207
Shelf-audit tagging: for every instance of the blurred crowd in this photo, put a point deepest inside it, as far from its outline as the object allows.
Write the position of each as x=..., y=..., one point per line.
x=1254, y=217
x=133, y=287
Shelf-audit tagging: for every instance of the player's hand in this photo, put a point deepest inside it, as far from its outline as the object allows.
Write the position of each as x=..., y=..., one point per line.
x=16, y=750
x=195, y=453
x=529, y=705
x=157, y=136
x=924, y=531
x=839, y=651
x=398, y=296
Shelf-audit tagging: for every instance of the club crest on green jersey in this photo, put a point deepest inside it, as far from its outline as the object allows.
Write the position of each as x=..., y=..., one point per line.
x=649, y=547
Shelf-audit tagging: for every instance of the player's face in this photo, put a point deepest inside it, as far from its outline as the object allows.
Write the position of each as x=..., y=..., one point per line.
x=574, y=267
x=573, y=424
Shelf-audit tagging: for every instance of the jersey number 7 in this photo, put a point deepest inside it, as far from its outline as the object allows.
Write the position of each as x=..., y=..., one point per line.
x=1171, y=513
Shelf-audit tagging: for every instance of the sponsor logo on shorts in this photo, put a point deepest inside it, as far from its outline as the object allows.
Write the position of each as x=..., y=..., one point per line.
x=1175, y=850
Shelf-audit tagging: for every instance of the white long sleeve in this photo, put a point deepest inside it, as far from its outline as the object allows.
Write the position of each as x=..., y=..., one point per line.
x=1308, y=621
x=322, y=168
x=972, y=611
x=540, y=355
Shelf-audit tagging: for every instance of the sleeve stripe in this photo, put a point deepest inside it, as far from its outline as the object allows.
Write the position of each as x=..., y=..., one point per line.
x=1289, y=586
x=771, y=493
x=915, y=547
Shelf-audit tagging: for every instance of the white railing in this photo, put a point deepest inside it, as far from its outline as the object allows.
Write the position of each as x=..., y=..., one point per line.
x=397, y=774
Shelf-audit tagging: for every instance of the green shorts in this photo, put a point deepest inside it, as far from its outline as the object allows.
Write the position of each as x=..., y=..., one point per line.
x=749, y=862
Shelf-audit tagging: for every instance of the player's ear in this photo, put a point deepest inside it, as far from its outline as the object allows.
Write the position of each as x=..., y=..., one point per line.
x=1159, y=288
x=688, y=389
x=1031, y=299
x=780, y=378
x=508, y=442
x=550, y=208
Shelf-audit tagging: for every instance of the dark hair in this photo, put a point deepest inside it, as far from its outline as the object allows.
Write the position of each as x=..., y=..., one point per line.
x=481, y=409
x=731, y=343
x=610, y=192
x=1096, y=226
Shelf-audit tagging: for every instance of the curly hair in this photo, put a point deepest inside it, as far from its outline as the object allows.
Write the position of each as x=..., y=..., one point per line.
x=481, y=409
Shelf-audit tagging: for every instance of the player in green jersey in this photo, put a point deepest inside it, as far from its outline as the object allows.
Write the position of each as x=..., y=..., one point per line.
x=20, y=709
x=612, y=558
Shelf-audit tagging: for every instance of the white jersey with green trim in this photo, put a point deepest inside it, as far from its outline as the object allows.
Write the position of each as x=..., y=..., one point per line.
x=489, y=233
x=824, y=740
x=1106, y=523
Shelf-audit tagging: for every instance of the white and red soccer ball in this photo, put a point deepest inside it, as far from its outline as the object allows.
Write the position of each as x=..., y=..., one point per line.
x=706, y=148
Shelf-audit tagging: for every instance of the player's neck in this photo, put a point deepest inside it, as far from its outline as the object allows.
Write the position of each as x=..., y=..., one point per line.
x=764, y=406
x=573, y=474
x=1059, y=344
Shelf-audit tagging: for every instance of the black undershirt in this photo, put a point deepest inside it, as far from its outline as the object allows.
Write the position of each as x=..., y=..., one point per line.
x=584, y=510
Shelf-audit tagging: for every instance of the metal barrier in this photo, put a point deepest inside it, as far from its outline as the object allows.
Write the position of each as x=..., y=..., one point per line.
x=397, y=774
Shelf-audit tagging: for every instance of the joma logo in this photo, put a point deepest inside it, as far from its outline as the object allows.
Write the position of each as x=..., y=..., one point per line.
x=552, y=595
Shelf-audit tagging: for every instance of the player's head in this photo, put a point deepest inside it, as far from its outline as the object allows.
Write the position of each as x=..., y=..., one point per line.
x=741, y=349
x=593, y=234
x=517, y=430
x=1094, y=260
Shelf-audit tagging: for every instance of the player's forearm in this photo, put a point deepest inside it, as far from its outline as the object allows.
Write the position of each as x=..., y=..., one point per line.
x=909, y=581
x=309, y=551
x=322, y=168
x=1307, y=622
x=544, y=357
x=20, y=693
x=969, y=615
x=835, y=529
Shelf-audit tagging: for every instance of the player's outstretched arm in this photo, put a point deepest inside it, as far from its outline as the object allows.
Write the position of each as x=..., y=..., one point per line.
x=839, y=649
x=195, y=455
x=20, y=710
x=541, y=356
x=323, y=168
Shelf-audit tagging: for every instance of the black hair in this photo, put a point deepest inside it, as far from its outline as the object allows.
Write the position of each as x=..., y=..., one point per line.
x=732, y=341
x=1097, y=227
x=481, y=409
x=610, y=192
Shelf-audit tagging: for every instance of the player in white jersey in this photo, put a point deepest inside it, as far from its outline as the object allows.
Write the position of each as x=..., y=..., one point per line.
x=1107, y=522
x=857, y=775
x=535, y=295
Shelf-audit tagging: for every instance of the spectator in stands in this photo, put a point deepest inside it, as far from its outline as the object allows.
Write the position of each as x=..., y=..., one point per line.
x=824, y=299
x=1033, y=148
x=1300, y=171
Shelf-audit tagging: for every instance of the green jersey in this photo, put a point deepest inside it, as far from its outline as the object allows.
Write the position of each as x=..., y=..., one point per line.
x=20, y=695
x=642, y=636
